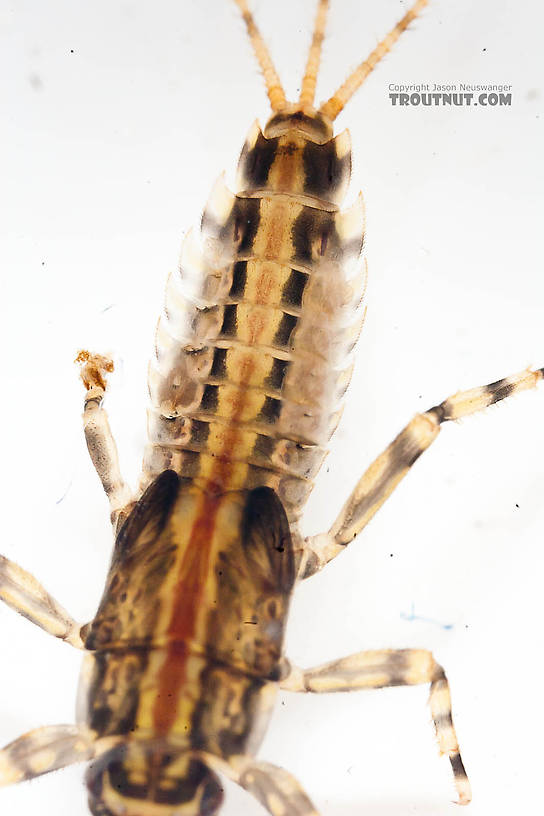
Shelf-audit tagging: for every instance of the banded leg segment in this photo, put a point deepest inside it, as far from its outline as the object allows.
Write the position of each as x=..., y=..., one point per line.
x=384, y=474
x=46, y=749
x=387, y=667
x=276, y=789
x=23, y=593
x=98, y=435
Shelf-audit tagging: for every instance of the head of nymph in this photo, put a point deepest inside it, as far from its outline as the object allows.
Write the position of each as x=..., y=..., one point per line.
x=298, y=155
x=308, y=123
x=141, y=778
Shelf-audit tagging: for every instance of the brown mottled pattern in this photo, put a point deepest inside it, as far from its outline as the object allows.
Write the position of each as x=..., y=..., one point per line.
x=253, y=349
x=205, y=679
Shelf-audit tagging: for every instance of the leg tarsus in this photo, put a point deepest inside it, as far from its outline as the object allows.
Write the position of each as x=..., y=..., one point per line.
x=440, y=703
x=20, y=590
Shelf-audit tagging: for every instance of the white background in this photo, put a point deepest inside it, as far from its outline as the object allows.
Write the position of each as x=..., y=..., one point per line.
x=108, y=154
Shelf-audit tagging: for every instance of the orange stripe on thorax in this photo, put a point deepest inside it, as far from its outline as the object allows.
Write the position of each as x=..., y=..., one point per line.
x=188, y=591
x=194, y=571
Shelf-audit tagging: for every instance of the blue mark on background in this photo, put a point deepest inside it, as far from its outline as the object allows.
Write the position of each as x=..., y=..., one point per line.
x=58, y=501
x=411, y=616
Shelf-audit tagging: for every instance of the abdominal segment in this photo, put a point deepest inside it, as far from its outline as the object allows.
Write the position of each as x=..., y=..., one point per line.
x=253, y=349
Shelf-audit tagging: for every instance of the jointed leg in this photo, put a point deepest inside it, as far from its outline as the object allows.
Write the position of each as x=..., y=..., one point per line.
x=100, y=442
x=384, y=474
x=274, y=787
x=18, y=588
x=378, y=669
x=47, y=749
x=25, y=595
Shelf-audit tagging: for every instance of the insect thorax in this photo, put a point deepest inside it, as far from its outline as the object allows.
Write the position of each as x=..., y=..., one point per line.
x=187, y=641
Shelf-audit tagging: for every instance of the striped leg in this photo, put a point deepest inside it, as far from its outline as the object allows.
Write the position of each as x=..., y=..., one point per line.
x=25, y=595
x=387, y=667
x=277, y=791
x=100, y=442
x=46, y=749
x=384, y=474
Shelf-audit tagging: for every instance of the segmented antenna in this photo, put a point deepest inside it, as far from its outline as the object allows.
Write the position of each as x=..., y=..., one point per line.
x=273, y=85
x=336, y=103
x=307, y=92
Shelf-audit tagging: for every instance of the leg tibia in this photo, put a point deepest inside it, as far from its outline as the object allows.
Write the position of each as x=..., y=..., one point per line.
x=469, y=402
x=383, y=475
x=100, y=441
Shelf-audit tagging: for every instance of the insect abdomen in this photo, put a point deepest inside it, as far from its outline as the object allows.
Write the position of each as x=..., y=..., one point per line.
x=252, y=349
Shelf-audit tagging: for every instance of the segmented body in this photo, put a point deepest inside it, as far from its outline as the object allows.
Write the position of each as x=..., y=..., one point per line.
x=253, y=350
x=252, y=363
x=253, y=356
x=186, y=644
